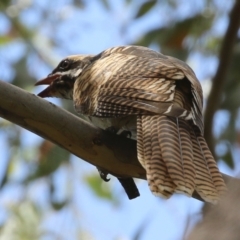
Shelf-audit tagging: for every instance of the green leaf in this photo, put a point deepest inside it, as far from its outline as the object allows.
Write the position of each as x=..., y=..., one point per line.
x=58, y=205
x=4, y=39
x=50, y=159
x=145, y=8
x=4, y=4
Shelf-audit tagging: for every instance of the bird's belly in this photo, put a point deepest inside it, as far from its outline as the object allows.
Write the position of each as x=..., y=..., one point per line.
x=121, y=124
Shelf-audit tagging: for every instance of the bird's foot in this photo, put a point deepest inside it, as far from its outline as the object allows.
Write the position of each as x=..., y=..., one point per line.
x=112, y=130
x=127, y=183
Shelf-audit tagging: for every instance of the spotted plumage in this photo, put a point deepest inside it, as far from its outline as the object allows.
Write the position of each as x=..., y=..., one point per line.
x=159, y=99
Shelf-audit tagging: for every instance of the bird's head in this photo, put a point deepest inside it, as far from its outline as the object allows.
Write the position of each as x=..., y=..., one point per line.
x=60, y=82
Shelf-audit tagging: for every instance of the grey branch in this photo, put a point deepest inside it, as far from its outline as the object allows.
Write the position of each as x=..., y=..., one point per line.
x=220, y=77
x=116, y=154
x=222, y=221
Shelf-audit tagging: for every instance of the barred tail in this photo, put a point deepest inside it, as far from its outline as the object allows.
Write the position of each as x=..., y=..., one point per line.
x=176, y=159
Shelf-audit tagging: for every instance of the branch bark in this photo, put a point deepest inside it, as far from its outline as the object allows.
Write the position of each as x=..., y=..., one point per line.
x=220, y=77
x=222, y=221
x=116, y=154
x=70, y=132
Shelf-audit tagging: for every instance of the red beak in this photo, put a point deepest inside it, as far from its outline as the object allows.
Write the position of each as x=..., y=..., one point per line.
x=47, y=81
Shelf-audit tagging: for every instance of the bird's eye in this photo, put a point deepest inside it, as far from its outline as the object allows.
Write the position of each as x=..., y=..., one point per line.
x=64, y=64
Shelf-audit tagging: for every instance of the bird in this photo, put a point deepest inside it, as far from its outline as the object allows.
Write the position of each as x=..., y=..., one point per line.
x=159, y=100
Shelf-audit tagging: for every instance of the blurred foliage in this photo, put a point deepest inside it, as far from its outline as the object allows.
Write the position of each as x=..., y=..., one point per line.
x=33, y=34
x=50, y=158
x=101, y=189
x=171, y=40
x=23, y=224
x=145, y=8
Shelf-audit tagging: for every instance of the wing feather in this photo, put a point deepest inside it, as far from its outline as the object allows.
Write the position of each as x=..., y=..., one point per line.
x=141, y=84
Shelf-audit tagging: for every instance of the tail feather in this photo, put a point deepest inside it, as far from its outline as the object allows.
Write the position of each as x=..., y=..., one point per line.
x=158, y=166
x=176, y=158
x=212, y=166
x=186, y=153
x=177, y=153
x=140, y=147
x=204, y=182
x=159, y=181
x=155, y=170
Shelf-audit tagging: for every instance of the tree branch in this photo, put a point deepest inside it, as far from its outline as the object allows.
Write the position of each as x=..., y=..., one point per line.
x=220, y=77
x=116, y=154
x=222, y=221
x=70, y=132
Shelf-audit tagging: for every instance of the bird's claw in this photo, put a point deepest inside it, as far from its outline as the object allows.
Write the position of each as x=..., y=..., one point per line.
x=103, y=174
x=126, y=134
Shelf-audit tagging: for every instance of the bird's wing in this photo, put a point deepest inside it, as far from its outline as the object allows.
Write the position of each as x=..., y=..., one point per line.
x=196, y=90
x=136, y=80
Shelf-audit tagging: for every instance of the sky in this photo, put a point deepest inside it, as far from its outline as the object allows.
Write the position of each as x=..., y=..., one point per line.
x=99, y=30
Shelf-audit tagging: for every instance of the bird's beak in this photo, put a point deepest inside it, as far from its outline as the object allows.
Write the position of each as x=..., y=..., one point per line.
x=48, y=80
x=47, y=92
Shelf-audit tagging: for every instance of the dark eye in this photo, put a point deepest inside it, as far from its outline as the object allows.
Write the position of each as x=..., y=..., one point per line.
x=64, y=64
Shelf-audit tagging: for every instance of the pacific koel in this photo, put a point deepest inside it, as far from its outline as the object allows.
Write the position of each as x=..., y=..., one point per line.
x=158, y=99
